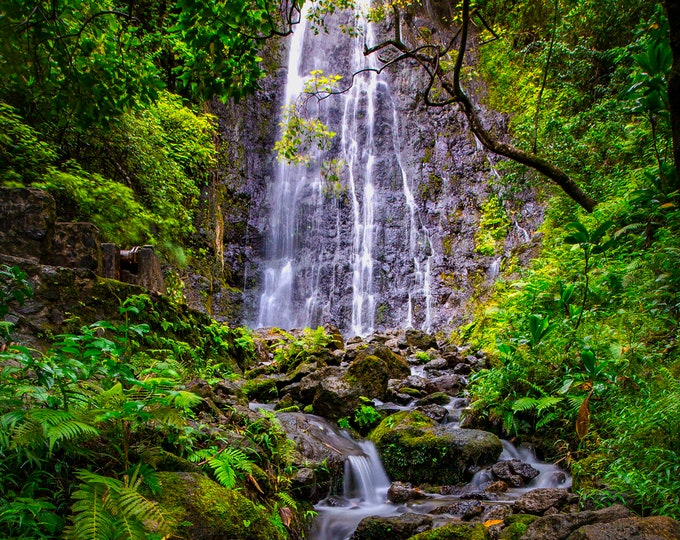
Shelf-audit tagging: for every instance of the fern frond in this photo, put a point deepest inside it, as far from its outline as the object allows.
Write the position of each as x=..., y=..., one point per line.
x=287, y=499
x=547, y=402
x=547, y=419
x=524, y=404
x=49, y=417
x=131, y=529
x=575, y=401
x=185, y=399
x=237, y=459
x=224, y=472
x=91, y=520
x=135, y=507
x=28, y=433
x=69, y=430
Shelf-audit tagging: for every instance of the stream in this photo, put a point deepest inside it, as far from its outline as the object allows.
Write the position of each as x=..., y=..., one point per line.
x=366, y=484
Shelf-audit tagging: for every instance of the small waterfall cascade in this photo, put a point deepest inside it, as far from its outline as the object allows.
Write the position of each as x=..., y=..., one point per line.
x=364, y=494
x=353, y=252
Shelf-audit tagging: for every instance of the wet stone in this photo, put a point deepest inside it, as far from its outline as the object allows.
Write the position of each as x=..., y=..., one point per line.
x=434, y=411
x=401, y=492
x=467, y=510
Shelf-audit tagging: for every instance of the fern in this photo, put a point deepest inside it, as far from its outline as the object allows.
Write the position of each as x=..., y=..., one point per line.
x=69, y=430
x=524, y=404
x=547, y=419
x=228, y=463
x=107, y=508
x=287, y=499
x=547, y=402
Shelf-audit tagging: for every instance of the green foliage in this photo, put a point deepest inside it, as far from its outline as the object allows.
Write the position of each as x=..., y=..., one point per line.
x=111, y=206
x=14, y=289
x=301, y=137
x=584, y=336
x=89, y=62
x=107, y=508
x=423, y=357
x=366, y=417
x=493, y=227
x=227, y=464
x=24, y=157
x=291, y=351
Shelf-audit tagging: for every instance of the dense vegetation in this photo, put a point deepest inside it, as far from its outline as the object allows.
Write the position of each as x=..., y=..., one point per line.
x=103, y=106
x=585, y=339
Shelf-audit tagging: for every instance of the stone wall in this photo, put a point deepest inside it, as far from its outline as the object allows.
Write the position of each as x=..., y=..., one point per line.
x=29, y=231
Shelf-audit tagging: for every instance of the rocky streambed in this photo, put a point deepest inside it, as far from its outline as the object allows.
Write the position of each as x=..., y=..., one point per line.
x=421, y=473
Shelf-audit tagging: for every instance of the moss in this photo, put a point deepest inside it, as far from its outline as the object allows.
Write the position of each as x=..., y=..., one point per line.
x=439, y=398
x=370, y=372
x=263, y=390
x=516, y=526
x=416, y=449
x=526, y=519
x=454, y=531
x=201, y=508
x=411, y=391
x=493, y=227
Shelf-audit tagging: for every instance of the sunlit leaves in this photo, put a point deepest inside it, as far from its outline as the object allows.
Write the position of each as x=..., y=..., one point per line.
x=301, y=137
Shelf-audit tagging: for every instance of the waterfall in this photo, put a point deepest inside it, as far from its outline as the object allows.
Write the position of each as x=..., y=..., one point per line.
x=420, y=245
x=364, y=494
x=356, y=253
x=277, y=296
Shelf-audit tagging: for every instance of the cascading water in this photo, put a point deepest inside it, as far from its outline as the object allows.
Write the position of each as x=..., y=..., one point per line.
x=356, y=253
x=364, y=494
x=276, y=299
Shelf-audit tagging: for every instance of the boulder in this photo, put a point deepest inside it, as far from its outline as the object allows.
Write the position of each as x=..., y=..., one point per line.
x=420, y=340
x=449, y=384
x=539, y=500
x=414, y=448
x=399, y=527
x=203, y=510
x=436, y=412
x=454, y=531
x=514, y=472
x=316, y=441
x=632, y=528
x=400, y=492
x=466, y=510
x=560, y=526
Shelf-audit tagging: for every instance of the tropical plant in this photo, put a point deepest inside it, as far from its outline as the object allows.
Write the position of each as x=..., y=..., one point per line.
x=107, y=508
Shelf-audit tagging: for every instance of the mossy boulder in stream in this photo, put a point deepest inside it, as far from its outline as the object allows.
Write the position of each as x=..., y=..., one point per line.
x=204, y=510
x=454, y=531
x=415, y=449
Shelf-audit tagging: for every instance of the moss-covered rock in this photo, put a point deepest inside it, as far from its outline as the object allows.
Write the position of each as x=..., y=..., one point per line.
x=373, y=367
x=263, y=390
x=516, y=526
x=203, y=510
x=415, y=449
x=437, y=398
x=454, y=531
x=369, y=372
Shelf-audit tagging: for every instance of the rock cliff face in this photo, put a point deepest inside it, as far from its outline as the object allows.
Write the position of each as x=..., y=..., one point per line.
x=394, y=239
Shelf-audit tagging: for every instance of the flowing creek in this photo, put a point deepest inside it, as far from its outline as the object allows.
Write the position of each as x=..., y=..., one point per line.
x=366, y=484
